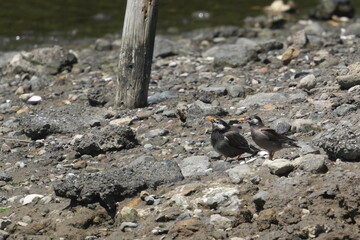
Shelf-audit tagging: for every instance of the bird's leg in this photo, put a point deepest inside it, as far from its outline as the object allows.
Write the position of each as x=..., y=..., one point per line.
x=238, y=158
x=271, y=155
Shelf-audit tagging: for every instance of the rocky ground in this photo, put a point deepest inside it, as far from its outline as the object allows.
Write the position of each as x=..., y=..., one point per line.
x=75, y=167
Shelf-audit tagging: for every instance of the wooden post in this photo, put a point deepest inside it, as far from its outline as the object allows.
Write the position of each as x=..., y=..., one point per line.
x=136, y=53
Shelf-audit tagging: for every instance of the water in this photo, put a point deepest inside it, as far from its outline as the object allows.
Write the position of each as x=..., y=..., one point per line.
x=52, y=21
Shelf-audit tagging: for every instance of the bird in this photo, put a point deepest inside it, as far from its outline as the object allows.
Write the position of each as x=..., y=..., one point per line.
x=227, y=140
x=267, y=138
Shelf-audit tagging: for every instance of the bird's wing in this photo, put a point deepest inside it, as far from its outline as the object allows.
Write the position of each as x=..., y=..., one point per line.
x=236, y=140
x=272, y=135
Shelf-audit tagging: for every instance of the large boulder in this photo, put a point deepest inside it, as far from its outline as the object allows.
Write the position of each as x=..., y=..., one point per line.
x=263, y=98
x=109, y=138
x=328, y=8
x=164, y=47
x=42, y=61
x=233, y=54
x=341, y=141
x=65, y=119
x=352, y=78
x=111, y=187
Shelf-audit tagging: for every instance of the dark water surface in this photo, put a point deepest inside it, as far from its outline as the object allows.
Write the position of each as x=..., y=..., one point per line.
x=41, y=21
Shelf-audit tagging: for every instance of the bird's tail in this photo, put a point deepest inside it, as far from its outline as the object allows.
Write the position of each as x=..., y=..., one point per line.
x=290, y=143
x=253, y=150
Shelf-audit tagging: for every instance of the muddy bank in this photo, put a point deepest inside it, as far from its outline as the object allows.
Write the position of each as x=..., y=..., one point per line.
x=74, y=167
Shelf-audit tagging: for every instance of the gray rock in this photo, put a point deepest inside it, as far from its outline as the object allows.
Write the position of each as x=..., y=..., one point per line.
x=103, y=44
x=255, y=179
x=5, y=105
x=180, y=201
x=313, y=163
x=345, y=109
x=353, y=29
x=314, y=28
x=169, y=113
x=281, y=125
x=148, y=146
x=111, y=187
x=262, y=98
x=120, y=122
x=241, y=110
x=222, y=198
x=4, y=235
x=109, y=138
x=348, y=81
x=279, y=167
x=124, y=225
x=220, y=165
x=231, y=54
x=210, y=33
x=4, y=223
x=161, y=97
x=259, y=199
x=195, y=165
x=308, y=148
x=219, y=234
x=184, y=216
x=5, y=177
x=304, y=125
x=129, y=214
x=248, y=43
x=298, y=97
x=5, y=149
x=6, y=57
x=99, y=96
x=200, y=108
x=220, y=222
x=236, y=90
x=37, y=83
x=95, y=123
x=308, y=82
x=298, y=39
x=217, y=90
x=164, y=47
x=46, y=200
x=156, y=133
x=327, y=8
x=352, y=78
x=341, y=141
x=173, y=215
x=27, y=219
x=238, y=173
x=66, y=119
x=42, y=61
x=271, y=45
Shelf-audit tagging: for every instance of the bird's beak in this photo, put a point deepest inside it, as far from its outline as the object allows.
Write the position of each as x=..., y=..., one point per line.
x=210, y=119
x=242, y=119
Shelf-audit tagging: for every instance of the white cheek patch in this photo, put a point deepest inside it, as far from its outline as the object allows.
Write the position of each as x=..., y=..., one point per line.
x=219, y=126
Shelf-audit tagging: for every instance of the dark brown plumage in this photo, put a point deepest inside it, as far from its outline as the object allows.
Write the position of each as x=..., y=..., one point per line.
x=267, y=138
x=227, y=141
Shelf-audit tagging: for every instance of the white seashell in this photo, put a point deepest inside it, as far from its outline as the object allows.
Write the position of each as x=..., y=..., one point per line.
x=34, y=99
